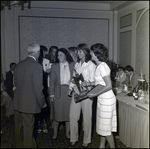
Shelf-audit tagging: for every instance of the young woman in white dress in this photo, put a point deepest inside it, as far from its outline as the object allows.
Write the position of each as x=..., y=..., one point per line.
x=106, y=101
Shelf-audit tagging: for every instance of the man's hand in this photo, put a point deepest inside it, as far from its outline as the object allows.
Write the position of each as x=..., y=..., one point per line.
x=52, y=98
x=48, y=70
x=14, y=88
x=4, y=93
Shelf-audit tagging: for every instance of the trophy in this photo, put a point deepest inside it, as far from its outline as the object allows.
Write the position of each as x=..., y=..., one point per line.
x=83, y=90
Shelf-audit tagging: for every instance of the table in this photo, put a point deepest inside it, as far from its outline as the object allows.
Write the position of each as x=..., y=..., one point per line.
x=133, y=122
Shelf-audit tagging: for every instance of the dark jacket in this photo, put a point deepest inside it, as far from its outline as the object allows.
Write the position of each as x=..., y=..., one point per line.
x=55, y=87
x=9, y=83
x=133, y=82
x=28, y=78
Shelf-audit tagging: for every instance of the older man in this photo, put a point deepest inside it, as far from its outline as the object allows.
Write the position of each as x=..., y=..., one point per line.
x=28, y=97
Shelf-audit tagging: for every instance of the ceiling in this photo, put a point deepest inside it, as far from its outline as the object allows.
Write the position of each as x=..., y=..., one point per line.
x=106, y=2
x=85, y=5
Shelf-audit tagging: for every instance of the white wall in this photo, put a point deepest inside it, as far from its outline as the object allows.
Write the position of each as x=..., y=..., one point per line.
x=139, y=42
x=11, y=28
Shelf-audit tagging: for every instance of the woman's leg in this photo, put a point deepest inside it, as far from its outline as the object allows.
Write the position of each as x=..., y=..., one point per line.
x=110, y=140
x=67, y=129
x=75, y=109
x=102, y=142
x=55, y=129
x=44, y=119
x=51, y=114
x=87, y=120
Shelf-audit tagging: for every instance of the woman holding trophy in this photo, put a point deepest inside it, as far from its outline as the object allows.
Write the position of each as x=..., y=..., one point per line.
x=85, y=68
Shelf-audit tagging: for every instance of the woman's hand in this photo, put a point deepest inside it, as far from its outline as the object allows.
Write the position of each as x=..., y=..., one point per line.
x=94, y=58
x=91, y=95
x=69, y=92
x=85, y=83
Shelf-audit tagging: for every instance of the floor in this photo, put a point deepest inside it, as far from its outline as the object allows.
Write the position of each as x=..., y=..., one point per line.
x=46, y=141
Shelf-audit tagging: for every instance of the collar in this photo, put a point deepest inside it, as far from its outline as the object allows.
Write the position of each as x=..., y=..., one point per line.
x=131, y=76
x=12, y=71
x=62, y=64
x=84, y=63
x=32, y=57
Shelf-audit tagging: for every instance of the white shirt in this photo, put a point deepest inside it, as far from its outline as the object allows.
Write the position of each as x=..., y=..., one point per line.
x=86, y=69
x=46, y=64
x=32, y=57
x=64, y=73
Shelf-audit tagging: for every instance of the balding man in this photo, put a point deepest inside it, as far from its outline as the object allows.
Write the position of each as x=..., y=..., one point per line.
x=28, y=97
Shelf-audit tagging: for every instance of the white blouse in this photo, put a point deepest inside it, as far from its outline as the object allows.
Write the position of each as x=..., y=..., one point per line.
x=87, y=69
x=102, y=70
x=64, y=73
x=46, y=64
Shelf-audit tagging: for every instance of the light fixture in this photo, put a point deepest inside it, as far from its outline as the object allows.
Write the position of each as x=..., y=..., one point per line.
x=14, y=3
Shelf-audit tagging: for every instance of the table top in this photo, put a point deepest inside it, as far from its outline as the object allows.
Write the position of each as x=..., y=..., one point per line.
x=134, y=103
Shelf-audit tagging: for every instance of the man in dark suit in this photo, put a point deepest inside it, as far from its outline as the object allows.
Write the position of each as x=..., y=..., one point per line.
x=9, y=85
x=28, y=97
x=131, y=79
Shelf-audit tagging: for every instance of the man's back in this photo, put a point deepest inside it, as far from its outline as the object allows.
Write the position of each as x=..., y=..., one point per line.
x=28, y=81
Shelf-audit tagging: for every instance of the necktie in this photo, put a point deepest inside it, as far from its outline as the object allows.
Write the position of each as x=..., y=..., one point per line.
x=129, y=84
x=65, y=67
x=129, y=81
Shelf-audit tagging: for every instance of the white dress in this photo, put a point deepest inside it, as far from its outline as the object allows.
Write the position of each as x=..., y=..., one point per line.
x=106, y=121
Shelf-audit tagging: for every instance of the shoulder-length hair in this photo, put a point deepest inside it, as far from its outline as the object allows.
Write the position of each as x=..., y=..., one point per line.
x=100, y=51
x=42, y=49
x=67, y=54
x=86, y=50
x=50, y=56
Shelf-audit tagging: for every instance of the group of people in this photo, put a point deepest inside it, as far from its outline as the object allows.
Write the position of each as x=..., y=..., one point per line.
x=7, y=92
x=126, y=79
x=45, y=79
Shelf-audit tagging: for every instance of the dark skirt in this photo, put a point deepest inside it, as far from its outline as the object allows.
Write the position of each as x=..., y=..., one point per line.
x=62, y=105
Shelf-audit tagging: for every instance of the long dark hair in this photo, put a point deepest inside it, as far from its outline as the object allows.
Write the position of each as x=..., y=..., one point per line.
x=86, y=50
x=42, y=48
x=100, y=51
x=50, y=56
x=67, y=54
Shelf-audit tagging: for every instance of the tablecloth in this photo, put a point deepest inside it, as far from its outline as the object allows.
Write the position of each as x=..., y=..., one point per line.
x=133, y=122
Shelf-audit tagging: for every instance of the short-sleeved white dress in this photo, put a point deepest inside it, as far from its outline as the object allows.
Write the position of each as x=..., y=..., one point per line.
x=106, y=120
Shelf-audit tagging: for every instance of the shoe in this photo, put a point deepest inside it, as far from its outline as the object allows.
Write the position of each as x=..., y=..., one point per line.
x=11, y=119
x=85, y=144
x=45, y=130
x=61, y=127
x=73, y=143
x=68, y=136
x=52, y=124
x=54, y=137
x=39, y=130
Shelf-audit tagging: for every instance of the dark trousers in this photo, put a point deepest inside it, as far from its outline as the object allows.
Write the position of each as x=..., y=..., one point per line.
x=24, y=126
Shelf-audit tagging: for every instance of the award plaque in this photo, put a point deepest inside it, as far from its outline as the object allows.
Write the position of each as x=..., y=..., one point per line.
x=83, y=95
